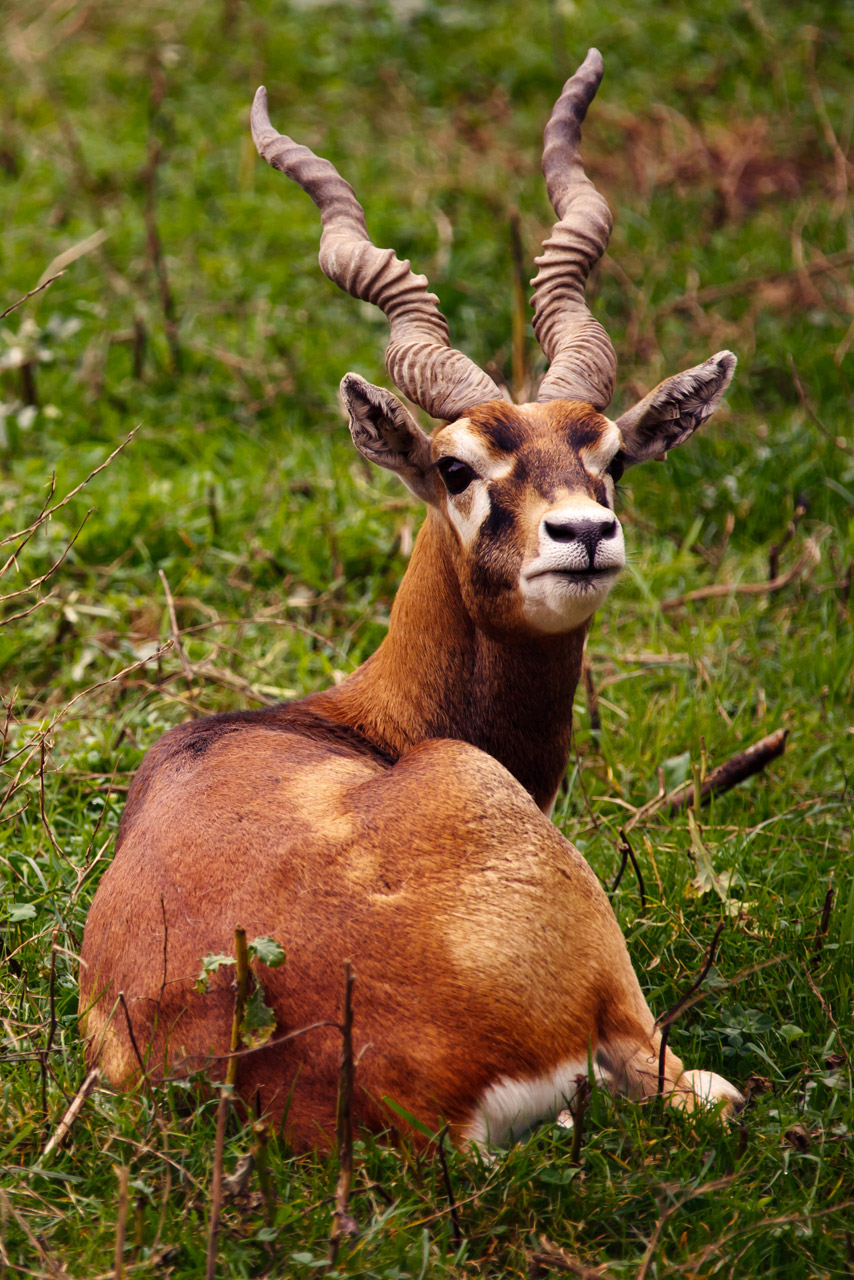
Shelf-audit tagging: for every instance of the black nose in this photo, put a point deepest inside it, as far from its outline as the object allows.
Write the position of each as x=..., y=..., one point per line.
x=584, y=530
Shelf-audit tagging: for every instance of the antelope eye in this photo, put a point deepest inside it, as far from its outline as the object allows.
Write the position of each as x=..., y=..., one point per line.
x=456, y=475
x=616, y=467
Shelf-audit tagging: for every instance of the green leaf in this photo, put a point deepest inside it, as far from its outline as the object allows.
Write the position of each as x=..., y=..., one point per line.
x=790, y=1032
x=707, y=878
x=676, y=770
x=21, y=911
x=259, y=1021
x=558, y=1177
x=210, y=964
x=268, y=951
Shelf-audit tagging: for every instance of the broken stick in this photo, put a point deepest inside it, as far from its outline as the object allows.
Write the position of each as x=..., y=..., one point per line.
x=72, y=1112
x=343, y=1224
x=727, y=775
x=808, y=559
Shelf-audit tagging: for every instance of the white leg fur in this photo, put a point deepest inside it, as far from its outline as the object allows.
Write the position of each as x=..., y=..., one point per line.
x=510, y=1107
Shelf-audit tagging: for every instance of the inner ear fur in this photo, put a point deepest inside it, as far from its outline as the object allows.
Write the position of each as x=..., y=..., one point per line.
x=385, y=432
x=675, y=409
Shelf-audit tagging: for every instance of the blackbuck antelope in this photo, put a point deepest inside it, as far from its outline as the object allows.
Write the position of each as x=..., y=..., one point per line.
x=399, y=821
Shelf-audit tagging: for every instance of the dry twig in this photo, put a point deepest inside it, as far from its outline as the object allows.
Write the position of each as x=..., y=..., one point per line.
x=226, y=1095
x=71, y=1113
x=258, y=1156
x=764, y=1226
x=840, y=160
x=823, y=926
x=176, y=634
x=579, y=1109
x=590, y=693
x=449, y=1190
x=825, y=1007
x=744, y=764
x=46, y=512
x=155, y=249
x=717, y=293
x=707, y=1188
x=52, y=1264
x=551, y=1257
x=808, y=558
x=45, y=1054
x=839, y=441
x=624, y=858
x=342, y=1222
x=38, y=289
x=788, y=533
x=721, y=779
x=664, y=1024
x=121, y=1223
x=43, y=811
x=627, y=852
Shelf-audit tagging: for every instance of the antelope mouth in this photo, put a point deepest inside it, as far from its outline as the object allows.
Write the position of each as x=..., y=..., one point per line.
x=589, y=575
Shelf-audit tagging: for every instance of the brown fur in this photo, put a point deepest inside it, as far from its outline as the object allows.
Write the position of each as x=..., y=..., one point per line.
x=437, y=675
x=443, y=942
x=392, y=822
x=448, y=668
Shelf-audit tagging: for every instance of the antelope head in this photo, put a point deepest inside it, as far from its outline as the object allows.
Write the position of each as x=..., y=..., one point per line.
x=522, y=495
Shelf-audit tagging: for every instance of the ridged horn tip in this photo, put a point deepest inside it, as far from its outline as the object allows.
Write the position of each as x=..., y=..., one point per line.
x=419, y=358
x=259, y=122
x=578, y=93
x=593, y=64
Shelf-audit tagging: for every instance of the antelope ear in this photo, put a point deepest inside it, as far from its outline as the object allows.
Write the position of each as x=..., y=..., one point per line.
x=675, y=409
x=385, y=432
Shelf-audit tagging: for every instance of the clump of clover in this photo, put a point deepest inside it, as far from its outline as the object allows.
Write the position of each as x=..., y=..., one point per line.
x=254, y=1021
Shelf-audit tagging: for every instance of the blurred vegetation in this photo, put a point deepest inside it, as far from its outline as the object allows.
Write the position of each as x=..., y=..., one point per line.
x=192, y=308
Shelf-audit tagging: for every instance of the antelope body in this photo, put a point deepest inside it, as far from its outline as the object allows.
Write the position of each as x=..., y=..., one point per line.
x=399, y=821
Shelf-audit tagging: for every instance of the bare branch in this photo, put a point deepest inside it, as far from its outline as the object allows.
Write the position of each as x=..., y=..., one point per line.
x=744, y=764
x=809, y=557
x=226, y=1095
x=121, y=1223
x=37, y=582
x=176, y=635
x=155, y=249
x=47, y=512
x=665, y=1023
x=717, y=293
x=342, y=1222
x=823, y=926
x=449, y=1190
x=719, y=1184
x=31, y=294
x=551, y=1257
x=839, y=441
x=64, y=1127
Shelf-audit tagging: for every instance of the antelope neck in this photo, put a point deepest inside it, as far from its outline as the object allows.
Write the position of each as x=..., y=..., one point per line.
x=437, y=675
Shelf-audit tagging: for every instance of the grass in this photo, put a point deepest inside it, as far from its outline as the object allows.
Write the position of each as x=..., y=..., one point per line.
x=720, y=137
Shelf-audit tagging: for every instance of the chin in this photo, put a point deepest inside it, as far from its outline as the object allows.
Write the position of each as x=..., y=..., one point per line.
x=557, y=603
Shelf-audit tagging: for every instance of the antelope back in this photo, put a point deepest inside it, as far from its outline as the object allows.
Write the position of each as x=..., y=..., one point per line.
x=489, y=966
